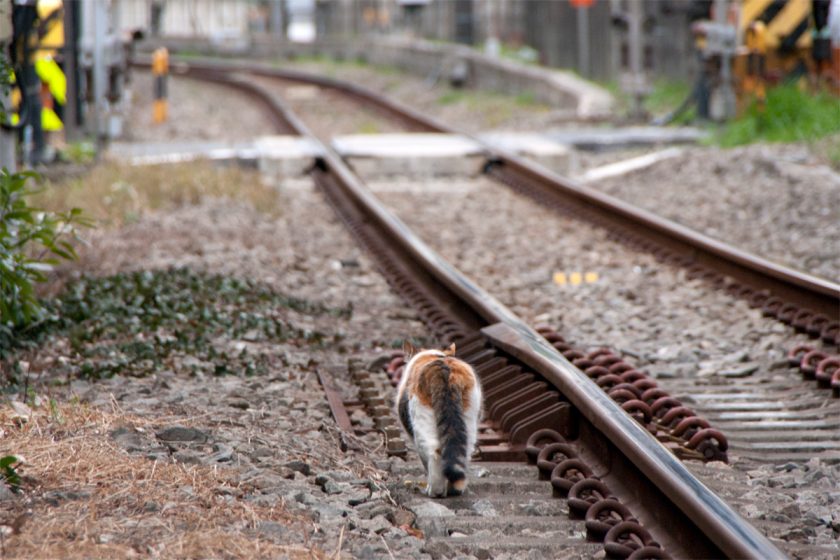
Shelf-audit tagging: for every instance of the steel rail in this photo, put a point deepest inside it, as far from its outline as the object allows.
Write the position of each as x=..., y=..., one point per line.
x=817, y=294
x=718, y=528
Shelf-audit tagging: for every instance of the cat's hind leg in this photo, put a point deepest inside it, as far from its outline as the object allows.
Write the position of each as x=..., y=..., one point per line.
x=436, y=480
x=428, y=447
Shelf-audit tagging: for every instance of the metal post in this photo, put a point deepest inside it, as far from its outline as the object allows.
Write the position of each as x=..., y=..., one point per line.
x=160, y=70
x=583, y=40
x=278, y=19
x=636, y=52
x=100, y=28
x=727, y=92
x=71, y=70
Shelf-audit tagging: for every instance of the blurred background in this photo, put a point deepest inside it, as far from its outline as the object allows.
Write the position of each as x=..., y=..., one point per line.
x=687, y=60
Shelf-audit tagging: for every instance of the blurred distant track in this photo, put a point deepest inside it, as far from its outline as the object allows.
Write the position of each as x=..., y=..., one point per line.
x=634, y=493
x=808, y=303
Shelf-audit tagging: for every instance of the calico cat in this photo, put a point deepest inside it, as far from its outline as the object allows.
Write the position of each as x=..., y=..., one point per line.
x=439, y=403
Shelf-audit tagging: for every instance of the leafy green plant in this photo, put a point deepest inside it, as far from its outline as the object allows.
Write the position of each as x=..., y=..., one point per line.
x=31, y=243
x=141, y=322
x=8, y=471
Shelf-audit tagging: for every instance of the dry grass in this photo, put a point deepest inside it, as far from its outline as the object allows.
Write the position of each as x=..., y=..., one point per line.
x=119, y=506
x=116, y=194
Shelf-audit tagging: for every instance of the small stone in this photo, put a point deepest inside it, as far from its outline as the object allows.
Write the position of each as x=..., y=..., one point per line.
x=157, y=454
x=188, y=457
x=222, y=453
x=480, y=472
x=328, y=512
x=267, y=481
x=369, y=510
x=371, y=551
x=332, y=487
x=182, y=434
x=305, y=498
x=457, y=535
x=335, y=476
x=533, y=507
x=55, y=497
x=22, y=412
x=401, y=517
x=358, y=497
x=431, y=509
x=129, y=439
x=484, y=508
x=300, y=467
x=378, y=524
x=241, y=404
x=744, y=371
x=273, y=530
x=5, y=492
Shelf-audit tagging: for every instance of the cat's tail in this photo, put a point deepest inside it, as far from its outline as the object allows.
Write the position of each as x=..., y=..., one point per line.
x=452, y=428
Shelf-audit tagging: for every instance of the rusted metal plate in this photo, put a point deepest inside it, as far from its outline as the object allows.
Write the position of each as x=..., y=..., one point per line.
x=335, y=401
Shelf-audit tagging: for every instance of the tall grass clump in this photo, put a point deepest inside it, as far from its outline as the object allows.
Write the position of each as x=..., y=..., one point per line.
x=789, y=115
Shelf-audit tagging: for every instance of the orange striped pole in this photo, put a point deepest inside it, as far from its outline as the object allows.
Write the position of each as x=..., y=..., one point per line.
x=160, y=71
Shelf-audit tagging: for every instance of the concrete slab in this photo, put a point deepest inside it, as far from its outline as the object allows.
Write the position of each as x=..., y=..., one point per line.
x=421, y=155
x=538, y=147
x=278, y=157
x=612, y=138
x=156, y=153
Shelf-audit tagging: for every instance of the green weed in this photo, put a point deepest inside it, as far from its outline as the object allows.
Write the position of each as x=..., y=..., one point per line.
x=142, y=322
x=8, y=471
x=789, y=115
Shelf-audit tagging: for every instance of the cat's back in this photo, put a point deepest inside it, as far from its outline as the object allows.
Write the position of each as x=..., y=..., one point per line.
x=445, y=375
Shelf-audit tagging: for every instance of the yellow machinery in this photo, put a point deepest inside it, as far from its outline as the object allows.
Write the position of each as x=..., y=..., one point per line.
x=784, y=40
x=748, y=45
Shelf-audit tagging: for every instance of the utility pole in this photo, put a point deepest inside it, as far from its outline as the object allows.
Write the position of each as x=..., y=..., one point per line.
x=72, y=109
x=727, y=102
x=582, y=10
x=100, y=29
x=278, y=19
x=637, y=77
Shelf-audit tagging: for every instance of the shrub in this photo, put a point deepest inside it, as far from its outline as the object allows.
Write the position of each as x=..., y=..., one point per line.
x=31, y=243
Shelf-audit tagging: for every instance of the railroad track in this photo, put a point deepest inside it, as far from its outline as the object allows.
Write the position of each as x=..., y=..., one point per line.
x=522, y=373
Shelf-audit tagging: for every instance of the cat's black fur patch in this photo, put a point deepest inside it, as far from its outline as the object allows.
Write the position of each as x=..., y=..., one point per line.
x=452, y=430
x=402, y=408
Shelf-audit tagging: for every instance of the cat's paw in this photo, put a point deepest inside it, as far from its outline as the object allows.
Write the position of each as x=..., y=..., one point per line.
x=436, y=491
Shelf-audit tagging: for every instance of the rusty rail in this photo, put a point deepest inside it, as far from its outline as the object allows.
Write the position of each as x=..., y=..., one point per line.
x=688, y=519
x=807, y=302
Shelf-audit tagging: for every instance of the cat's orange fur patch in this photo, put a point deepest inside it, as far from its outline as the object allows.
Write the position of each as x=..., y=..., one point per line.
x=427, y=382
x=460, y=485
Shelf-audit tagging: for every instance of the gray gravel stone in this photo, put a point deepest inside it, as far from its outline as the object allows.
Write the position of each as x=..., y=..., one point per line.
x=484, y=508
x=222, y=453
x=430, y=509
x=182, y=434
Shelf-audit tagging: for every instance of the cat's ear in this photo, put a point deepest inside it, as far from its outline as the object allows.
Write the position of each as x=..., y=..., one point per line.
x=451, y=350
x=408, y=348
